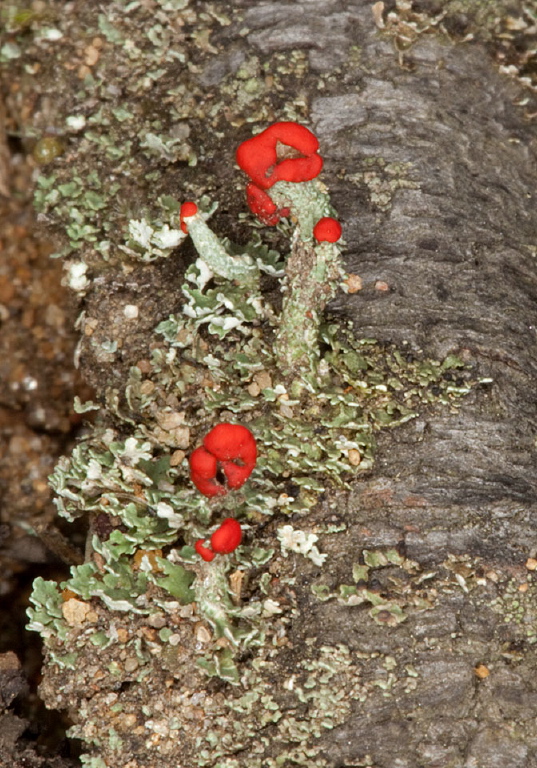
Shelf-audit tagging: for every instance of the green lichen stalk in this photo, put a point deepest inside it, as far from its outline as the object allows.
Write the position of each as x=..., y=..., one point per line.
x=313, y=270
x=218, y=260
x=312, y=274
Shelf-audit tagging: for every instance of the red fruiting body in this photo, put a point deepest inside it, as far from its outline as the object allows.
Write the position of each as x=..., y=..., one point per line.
x=227, y=537
x=235, y=448
x=203, y=463
x=327, y=229
x=258, y=156
x=298, y=169
x=294, y=135
x=230, y=448
x=203, y=469
x=224, y=540
x=187, y=209
x=263, y=206
x=203, y=551
x=231, y=441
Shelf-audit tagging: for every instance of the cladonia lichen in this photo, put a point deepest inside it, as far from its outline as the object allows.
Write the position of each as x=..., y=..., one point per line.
x=314, y=395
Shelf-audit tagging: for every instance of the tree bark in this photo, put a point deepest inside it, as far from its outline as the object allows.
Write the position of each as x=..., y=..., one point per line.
x=431, y=167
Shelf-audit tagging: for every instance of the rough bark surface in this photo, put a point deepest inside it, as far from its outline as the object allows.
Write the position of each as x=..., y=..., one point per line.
x=457, y=253
x=431, y=168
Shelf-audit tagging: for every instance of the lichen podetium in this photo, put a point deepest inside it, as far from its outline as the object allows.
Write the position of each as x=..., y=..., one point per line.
x=146, y=603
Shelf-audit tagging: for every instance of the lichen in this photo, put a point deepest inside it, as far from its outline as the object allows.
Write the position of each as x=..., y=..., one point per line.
x=382, y=180
x=145, y=514
x=504, y=28
x=515, y=604
x=160, y=658
x=314, y=410
x=386, y=608
x=158, y=653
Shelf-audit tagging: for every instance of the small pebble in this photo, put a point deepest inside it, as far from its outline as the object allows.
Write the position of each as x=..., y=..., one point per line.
x=131, y=311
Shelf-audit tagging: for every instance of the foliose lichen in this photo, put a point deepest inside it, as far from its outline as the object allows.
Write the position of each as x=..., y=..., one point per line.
x=314, y=409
